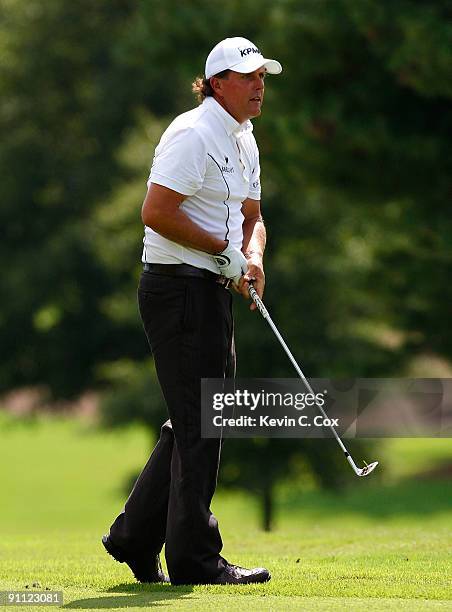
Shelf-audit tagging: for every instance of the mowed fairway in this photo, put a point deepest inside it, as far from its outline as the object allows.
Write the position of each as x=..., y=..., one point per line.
x=385, y=544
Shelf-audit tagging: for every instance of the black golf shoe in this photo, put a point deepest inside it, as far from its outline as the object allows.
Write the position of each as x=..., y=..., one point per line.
x=234, y=574
x=143, y=570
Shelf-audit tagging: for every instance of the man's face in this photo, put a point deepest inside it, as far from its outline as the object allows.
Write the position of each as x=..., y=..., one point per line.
x=241, y=95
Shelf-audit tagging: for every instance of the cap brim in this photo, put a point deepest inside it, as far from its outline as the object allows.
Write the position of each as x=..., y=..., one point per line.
x=253, y=63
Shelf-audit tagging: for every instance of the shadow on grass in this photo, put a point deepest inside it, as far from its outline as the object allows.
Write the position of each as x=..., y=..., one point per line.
x=133, y=595
x=414, y=497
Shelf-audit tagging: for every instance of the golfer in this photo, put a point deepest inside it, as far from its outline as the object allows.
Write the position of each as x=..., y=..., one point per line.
x=204, y=234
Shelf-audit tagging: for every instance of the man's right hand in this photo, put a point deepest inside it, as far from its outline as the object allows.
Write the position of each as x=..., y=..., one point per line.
x=232, y=263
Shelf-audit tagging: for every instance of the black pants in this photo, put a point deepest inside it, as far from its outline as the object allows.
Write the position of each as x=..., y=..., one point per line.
x=189, y=326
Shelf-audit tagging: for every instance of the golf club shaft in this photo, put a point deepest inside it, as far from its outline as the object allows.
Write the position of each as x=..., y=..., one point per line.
x=264, y=312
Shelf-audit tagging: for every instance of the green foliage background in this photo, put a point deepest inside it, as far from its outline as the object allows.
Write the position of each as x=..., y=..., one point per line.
x=357, y=165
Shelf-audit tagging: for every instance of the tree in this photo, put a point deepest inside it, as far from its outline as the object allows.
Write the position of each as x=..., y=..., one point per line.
x=62, y=116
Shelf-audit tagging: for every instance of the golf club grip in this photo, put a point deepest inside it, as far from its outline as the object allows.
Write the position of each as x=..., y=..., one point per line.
x=257, y=300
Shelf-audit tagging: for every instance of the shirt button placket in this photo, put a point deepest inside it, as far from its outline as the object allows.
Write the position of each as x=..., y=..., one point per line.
x=241, y=162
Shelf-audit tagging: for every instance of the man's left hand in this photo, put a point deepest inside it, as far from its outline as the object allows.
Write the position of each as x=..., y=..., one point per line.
x=255, y=273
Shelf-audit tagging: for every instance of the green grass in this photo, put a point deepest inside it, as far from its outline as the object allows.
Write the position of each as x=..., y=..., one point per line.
x=384, y=544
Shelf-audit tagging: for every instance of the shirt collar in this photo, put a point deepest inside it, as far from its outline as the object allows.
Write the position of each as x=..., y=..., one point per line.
x=229, y=123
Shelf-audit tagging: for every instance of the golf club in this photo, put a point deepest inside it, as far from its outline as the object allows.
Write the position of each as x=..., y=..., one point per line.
x=368, y=468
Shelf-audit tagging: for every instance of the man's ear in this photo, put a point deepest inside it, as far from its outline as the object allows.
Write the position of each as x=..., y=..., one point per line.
x=216, y=84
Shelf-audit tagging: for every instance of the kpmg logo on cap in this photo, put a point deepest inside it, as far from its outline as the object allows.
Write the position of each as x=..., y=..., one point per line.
x=244, y=52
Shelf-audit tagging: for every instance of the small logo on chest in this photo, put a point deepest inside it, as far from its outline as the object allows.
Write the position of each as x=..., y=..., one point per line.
x=226, y=168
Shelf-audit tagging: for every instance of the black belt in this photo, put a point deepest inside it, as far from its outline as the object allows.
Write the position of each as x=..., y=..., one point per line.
x=186, y=270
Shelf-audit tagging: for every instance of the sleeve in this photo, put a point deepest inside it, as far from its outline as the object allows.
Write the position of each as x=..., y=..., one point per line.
x=255, y=183
x=180, y=162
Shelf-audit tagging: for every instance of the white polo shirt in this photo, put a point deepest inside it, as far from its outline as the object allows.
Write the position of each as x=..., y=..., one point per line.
x=208, y=156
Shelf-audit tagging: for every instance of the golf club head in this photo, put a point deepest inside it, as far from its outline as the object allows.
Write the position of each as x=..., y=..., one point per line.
x=365, y=471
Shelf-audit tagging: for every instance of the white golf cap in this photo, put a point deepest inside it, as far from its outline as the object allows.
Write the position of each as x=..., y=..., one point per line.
x=240, y=55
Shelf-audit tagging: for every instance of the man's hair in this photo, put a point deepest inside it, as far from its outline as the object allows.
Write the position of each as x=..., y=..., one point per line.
x=202, y=88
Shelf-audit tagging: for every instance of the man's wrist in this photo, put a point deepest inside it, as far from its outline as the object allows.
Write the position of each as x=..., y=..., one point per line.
x=249, y=254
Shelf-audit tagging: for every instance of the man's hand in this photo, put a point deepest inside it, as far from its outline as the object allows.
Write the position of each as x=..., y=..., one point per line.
x=255, y=273
x=232, y=263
